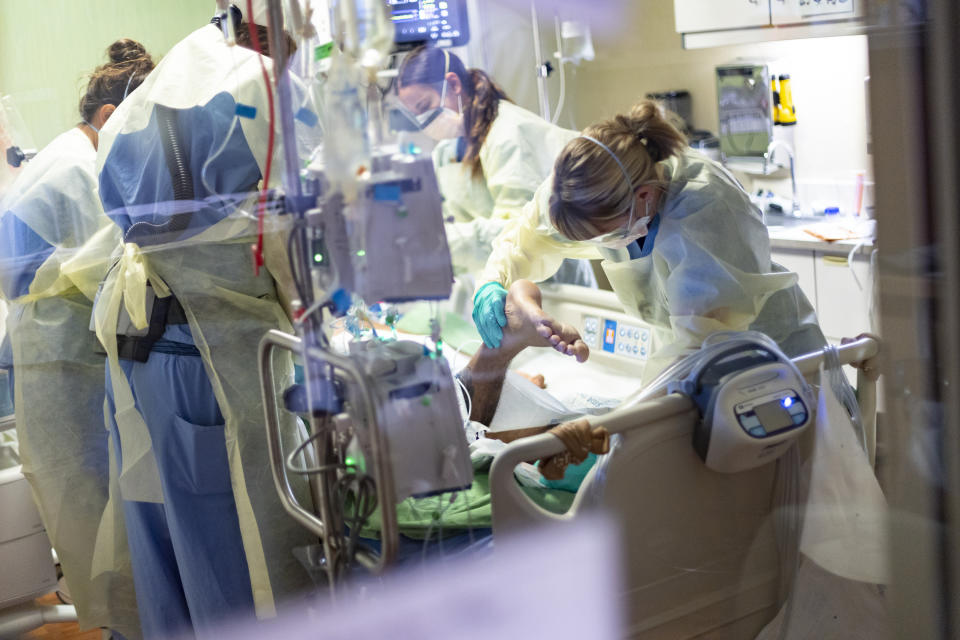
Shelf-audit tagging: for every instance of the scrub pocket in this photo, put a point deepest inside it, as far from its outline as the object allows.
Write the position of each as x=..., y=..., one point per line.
x=199, y=457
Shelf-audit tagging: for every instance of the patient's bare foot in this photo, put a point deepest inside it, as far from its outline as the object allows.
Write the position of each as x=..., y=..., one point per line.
x=536, y=379
x=529, y=326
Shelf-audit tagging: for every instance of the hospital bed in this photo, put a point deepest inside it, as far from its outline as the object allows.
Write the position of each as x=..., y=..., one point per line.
x=701, y=555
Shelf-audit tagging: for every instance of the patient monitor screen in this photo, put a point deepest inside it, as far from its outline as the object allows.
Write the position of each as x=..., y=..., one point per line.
x=439, y=22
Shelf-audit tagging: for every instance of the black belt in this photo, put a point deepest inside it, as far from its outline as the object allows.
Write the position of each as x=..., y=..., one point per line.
x=166, y=311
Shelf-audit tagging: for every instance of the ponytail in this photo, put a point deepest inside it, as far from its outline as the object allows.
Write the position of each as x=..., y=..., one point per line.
x=589, y=188
x=479, y=116
x=649, y=123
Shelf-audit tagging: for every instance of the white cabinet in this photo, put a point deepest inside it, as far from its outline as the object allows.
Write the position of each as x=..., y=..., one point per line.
x=840, y=294
x=804, y=11
x=714, y=15
x=713, y=23
x=802, y=264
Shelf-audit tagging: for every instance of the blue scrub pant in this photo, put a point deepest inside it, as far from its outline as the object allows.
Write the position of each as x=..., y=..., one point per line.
x=189, y=566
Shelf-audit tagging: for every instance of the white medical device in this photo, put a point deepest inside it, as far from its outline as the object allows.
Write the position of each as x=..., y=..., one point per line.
x=754, y=404
x=388, y=243
x=418, y=413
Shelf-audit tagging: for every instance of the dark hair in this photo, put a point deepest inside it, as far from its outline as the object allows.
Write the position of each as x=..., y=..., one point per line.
x=426, y=66
x=109, y=83
x=263, y=39
x=589, y=186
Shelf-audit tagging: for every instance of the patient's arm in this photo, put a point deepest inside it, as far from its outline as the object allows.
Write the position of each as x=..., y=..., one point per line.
x=483, y=376
x=527, y=326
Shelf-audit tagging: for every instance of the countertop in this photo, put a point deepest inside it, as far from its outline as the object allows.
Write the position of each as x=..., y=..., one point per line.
x=796, y=238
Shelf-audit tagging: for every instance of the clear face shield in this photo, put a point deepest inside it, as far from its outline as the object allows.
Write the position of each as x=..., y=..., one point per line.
x=635, y=228
x=441, y=122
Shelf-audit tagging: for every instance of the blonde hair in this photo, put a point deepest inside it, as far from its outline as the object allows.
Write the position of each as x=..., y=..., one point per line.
x=588, y=184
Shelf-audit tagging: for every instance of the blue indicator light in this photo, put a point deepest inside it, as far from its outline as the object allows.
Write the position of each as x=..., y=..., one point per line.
x=786, y=402
x=609, y=336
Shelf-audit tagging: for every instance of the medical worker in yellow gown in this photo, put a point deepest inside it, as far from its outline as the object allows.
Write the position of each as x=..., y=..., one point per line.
x=683, y=247
x=48, y=213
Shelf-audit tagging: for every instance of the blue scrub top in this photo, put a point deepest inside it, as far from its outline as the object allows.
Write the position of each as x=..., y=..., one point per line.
x=22, y=252
x=644, y=246
x=135, y=183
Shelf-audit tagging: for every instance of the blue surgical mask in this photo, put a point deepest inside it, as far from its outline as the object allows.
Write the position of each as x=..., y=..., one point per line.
x=95, y=130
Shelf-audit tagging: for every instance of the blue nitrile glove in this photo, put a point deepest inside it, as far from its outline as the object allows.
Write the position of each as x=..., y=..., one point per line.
x=489, y=314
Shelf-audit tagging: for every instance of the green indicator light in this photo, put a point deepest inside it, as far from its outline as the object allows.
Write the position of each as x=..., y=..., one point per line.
x=361, y=253
x=425, y=401
x=318, y=257
x=350, y=462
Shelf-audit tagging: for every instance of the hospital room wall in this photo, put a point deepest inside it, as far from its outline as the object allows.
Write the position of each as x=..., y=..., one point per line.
x=48, y=46
x=638, y=51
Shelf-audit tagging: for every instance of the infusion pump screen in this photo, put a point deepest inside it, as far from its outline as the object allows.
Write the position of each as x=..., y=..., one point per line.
x=440, y=22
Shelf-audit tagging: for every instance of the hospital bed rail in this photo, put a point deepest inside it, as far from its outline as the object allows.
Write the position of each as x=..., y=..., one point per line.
x=512, y=509
x=703, y=554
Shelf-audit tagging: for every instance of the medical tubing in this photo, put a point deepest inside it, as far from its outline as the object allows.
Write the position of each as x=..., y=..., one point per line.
x=262, y=205
x=292, y=259
x=723, y=353
x=466, y=500
x=871, y=292
x=179, y=171
x=466, y=395
x=437, y=517
x=215, y=155
x=365, y=504
x=180, y=177
x=281, y=69
x=426, y=537
x=292, y=468
x=850, y=256
x=236, y=118
x=845, y=394
x=563, y=72
x=457, y=350
x=537, y=53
